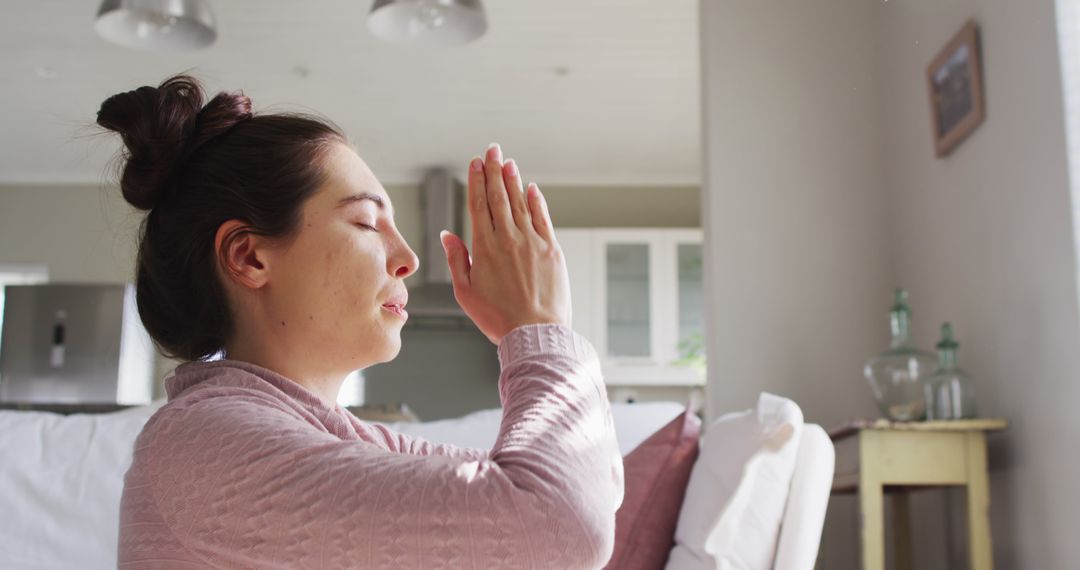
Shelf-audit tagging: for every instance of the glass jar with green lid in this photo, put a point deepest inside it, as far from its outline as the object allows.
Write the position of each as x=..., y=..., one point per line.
x=950, y=392
x=898, y=376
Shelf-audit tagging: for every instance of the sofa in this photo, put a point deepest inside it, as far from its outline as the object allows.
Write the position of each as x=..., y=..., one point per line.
x=755, y=496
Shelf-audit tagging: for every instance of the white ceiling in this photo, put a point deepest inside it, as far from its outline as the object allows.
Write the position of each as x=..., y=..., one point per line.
x=578, y=91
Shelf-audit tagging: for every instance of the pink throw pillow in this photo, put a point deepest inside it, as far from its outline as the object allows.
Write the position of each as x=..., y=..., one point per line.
x=656, y=474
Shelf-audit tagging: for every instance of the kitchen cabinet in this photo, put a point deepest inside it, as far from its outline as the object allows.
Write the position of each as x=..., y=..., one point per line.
x=636, y=293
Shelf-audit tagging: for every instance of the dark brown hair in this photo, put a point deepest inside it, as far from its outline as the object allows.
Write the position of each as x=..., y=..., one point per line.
x=194, y=167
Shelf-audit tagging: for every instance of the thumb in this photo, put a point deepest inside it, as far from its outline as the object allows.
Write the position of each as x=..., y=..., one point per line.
x=457, y=256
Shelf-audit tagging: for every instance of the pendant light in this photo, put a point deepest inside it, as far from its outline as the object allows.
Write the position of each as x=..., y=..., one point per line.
x=157, y=25
x=427, y=22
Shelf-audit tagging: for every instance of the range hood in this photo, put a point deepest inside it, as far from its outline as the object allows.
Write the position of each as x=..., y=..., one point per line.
x=432, y=303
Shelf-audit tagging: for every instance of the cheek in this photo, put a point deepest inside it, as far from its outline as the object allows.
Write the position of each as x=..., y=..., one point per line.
x=350, y=276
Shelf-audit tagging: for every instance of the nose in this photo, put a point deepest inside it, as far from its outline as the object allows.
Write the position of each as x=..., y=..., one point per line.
x=404, y=261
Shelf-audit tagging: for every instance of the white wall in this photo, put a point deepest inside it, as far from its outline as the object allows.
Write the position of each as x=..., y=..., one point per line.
x=984, y=238
x=84, y=234
x=822, y=193
x=798, y=263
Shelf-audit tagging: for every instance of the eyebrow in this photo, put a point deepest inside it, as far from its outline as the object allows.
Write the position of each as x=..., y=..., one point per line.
x=360, y=197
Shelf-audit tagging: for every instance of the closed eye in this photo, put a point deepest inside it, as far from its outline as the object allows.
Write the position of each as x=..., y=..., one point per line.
x=368, y=227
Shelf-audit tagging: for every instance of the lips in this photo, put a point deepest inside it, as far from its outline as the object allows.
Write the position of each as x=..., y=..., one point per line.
x=396, y=305
x=398, y=310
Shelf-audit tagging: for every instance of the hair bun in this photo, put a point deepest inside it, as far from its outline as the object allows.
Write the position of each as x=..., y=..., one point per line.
x=161, y=127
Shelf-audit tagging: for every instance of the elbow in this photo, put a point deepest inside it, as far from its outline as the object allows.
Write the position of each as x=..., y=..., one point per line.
x=602, y=539
x=573, y=519
x=596, y=515
x=571, y=536
x=597, y=539
x=602, y=529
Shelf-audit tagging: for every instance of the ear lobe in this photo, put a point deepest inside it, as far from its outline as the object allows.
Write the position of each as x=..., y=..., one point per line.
x=240, y=255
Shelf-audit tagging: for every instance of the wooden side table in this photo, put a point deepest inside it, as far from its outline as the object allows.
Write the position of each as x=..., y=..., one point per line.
x=873, y=456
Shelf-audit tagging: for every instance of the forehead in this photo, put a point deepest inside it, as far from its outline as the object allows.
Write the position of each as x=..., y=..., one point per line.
x=348, y=176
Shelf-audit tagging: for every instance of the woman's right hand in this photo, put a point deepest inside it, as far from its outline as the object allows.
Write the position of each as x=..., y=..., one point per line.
x=516, y=274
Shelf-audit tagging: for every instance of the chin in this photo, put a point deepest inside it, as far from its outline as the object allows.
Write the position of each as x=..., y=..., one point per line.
x=390, y=348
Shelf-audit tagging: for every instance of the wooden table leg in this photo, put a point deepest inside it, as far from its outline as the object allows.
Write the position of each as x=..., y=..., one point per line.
x=978, y=503
x=872, y=520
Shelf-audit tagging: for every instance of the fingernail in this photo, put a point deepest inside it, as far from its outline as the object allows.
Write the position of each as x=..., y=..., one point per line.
x=442, y=237
x=511, y=167
x=477, y=164
x=494, y=152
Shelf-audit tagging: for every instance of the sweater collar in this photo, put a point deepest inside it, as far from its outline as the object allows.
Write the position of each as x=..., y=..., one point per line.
x=191, y=374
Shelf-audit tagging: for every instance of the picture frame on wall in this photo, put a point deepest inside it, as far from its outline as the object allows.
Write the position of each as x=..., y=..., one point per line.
x=955, y=82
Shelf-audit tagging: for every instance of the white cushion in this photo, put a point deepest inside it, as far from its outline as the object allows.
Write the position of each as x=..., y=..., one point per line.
x=634, y=423
x=735, y=500
x=800, y=534
x=61, y=478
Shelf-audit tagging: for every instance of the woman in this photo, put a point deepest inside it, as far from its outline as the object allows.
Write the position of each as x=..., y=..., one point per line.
x=269, y=240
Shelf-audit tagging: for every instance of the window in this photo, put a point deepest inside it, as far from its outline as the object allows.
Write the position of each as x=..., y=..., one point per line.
x=352, y=390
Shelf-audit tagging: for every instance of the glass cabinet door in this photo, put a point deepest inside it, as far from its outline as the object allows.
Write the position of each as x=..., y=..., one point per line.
x=649, y=309
x=691, y=303
x=627, y=282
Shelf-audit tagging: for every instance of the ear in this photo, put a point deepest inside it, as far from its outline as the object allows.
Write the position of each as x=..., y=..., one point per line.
x=242, y=254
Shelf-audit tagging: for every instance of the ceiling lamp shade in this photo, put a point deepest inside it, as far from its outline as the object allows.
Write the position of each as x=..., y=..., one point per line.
x=157, y=25
x=427, y=22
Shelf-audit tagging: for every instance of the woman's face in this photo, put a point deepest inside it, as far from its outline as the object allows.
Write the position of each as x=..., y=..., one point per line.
x=339, y=285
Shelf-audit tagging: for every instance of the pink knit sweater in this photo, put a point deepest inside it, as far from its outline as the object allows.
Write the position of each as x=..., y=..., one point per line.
x=244, y=468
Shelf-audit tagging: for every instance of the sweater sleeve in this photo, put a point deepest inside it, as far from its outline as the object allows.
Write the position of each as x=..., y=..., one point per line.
x=398, y=442
x=242, y=483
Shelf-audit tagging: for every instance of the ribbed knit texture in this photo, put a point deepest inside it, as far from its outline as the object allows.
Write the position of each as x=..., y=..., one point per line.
x=244, y=468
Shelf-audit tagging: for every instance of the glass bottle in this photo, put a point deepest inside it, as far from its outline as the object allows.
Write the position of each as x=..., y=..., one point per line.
x=898, y=376
x=950, y=392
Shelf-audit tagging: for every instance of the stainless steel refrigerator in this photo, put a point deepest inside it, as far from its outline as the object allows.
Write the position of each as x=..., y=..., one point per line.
x=74, y=344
